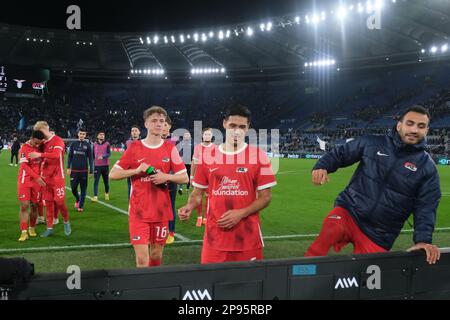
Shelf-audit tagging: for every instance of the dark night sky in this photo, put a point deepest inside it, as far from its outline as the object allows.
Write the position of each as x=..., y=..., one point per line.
x=148, y=15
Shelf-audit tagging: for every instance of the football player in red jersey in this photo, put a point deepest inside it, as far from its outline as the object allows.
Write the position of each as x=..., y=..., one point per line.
x=29, y=185
x=202, y=151
x=53, y=173
x=172, y=186
x=239, y=183
x=149, y=162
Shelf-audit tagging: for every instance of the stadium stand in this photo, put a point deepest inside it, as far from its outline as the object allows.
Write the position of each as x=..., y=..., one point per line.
x=300, y=118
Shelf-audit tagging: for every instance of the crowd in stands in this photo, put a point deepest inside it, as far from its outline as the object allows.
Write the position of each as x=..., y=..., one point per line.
x=305, y=141
x=114, y=108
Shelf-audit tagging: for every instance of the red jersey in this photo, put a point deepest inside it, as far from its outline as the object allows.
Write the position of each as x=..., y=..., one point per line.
x=27, y=175
x=148, y=202
x=233, y=180
x=53, y=165
x=204, y=153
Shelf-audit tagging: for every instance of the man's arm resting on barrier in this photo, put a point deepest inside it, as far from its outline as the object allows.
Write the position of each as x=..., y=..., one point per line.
x=432, y=251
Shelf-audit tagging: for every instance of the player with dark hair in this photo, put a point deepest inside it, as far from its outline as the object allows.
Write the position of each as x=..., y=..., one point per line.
x=80, y=156
x=172, y=186
x=15, y=151
x=239, y=182
x=135, y=134
x=102, y=152
x=202, y=152
x=29, y=185
x=149, y=162
x=395, y=177
x=186, y=149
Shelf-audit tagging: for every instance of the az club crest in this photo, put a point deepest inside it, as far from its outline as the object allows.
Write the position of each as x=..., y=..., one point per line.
x=410, y=166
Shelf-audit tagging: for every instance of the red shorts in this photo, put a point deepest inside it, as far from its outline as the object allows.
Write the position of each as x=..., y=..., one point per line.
x=210, y=255
x=55, y=190
x=338, y=230
x=29, y=192
x=142, y=232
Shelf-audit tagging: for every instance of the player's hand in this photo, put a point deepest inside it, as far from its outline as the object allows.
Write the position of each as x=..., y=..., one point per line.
x=433, y=252
x=159, y=178
x=142, y=168
x=100, y=158
x=34, y=155
x=320, y=177
x=41, y=182
x=69, y=171
x=230, y=218
x=184, y=212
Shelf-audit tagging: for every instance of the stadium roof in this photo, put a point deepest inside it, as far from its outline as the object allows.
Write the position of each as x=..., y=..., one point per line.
x=309, y=37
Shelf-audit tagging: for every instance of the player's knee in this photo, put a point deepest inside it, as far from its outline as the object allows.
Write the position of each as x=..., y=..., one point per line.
x=156, y=255
x=332, y=230
x=156, y=252
x=60, y=204
x=142, y=261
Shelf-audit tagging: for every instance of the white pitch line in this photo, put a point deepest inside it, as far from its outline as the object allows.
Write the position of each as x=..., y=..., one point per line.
x=181, y=237
x=293, y=236
x=127, y=245
x=81, y=246
x=58, y=248
x=287, y=172
x=105, y=204
x=289, y=236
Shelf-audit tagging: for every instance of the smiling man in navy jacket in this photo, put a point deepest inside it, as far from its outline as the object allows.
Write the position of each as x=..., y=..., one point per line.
x=395, y=177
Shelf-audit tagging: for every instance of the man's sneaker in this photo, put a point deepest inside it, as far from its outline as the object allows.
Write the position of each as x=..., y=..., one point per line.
x=15, y=165
x=199, y=221
x=23, y=236
x=106, y=196
x=76, y=205
x=10, y=164
x=55, y=221
x=32, y=232
x=80, y=209
x=67, y=229
x=47, y=233
x=204, y=221
x=94, y=199
x=170, y=239
x=180, y=191
x=40, y=220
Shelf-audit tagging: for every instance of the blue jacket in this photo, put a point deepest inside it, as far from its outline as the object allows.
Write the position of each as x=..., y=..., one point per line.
x=80, y=154
x=392, y=181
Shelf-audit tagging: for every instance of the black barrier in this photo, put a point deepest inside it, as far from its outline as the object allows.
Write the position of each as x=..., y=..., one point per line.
x=14, y=276
x=394, y=275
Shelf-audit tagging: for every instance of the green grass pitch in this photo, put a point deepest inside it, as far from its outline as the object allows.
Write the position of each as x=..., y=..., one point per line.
x=297, y=210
